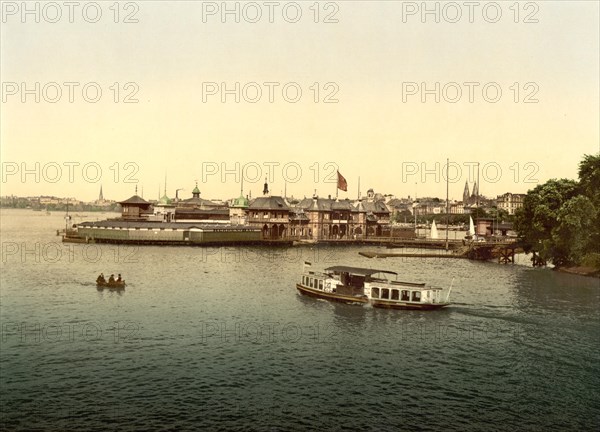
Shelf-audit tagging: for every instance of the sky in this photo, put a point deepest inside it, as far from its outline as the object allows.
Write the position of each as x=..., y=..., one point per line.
x=123, y=95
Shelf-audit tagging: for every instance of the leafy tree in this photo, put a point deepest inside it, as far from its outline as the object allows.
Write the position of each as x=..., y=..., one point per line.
x=401, y=216
x=477, y=213
x=589, y=186
x=589, y=177
x=570, y=238
x=539, y=216
x=560, y=219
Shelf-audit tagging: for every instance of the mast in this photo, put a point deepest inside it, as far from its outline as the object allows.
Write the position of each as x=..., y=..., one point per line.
x=447, y=202
x=67, y=219
x=415, y=211
x=478, y=185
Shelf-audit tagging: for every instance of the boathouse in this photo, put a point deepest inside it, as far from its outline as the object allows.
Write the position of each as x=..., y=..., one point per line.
x=174, y=233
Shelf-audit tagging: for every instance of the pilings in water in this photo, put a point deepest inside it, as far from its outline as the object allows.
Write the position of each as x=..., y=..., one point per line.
x=504, y=252
x=537, y=260
x=409, y=255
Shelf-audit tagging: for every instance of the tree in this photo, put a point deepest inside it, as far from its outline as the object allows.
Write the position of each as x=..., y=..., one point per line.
x=570, y=237
x=478, y=212
x=402, y=216
x=539, y=216
x=589, y=186
x=589, y=177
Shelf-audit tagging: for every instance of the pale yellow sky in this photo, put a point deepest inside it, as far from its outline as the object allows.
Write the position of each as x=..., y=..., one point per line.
x=374, y=63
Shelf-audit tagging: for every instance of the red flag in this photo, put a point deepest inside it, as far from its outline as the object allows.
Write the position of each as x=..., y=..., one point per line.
x=342, y=184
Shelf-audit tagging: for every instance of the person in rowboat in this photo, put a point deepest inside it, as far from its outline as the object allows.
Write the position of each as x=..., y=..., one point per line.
x=111, y=279
x=100, y=278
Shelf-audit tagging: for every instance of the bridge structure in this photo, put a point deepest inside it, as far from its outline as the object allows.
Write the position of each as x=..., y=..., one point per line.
x=503, y=251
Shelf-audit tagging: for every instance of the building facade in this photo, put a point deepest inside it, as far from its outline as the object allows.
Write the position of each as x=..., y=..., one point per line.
x=510, y=202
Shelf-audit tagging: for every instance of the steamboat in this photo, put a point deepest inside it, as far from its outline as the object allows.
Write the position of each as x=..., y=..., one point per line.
x=355, y=285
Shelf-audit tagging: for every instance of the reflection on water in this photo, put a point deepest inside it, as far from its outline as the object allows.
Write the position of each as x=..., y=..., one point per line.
x=219, y=339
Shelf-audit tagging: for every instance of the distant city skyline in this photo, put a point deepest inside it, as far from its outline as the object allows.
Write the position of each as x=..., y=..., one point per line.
x=529, y=174
x=158, y=193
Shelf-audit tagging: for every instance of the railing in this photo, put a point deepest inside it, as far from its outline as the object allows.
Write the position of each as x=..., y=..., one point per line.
x=268, y=220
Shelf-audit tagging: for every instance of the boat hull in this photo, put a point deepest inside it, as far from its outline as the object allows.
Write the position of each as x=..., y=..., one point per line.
x=330, y=296
x=311, y=292
x=408, y=306
x=110, y=285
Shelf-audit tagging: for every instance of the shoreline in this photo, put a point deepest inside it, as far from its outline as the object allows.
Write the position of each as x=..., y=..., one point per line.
x=580, y=271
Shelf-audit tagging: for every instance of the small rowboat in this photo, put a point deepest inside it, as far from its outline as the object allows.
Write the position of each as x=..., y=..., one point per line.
x=111, y=285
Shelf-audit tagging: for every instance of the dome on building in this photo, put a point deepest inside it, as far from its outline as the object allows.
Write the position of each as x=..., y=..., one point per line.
x=165, y=200
x=241, y=201
x=196, y=190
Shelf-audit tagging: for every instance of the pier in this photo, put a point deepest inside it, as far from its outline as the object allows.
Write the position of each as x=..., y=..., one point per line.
x=504, y=252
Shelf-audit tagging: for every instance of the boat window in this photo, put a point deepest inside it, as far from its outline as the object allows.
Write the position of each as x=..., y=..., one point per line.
x=395, y=294
x=320, y=284
x=303, y=280
x=405, y=295
x=375, y=292
x=416, y=296
x=385, y=293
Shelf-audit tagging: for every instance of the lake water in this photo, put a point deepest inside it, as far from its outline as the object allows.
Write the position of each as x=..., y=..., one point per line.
x=219, y=339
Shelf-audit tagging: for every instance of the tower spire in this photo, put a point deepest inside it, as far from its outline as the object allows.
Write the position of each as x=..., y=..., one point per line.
x=466, y=193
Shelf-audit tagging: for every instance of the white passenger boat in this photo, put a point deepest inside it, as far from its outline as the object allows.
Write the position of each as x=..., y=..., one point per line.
x=361, y=286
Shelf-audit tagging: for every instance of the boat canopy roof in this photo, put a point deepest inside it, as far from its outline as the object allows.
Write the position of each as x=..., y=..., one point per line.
x=357, y=270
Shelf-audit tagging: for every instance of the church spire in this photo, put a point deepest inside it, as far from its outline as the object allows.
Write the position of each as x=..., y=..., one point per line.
x=266, y=188
x=466, y=193
x=475, y=190
x=101, y=196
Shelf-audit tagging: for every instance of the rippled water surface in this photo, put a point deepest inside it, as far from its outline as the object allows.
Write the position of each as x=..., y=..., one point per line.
x=219, y=339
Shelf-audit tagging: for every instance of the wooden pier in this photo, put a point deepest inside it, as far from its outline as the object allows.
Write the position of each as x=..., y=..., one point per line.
x=477, y=251
x=410, y=255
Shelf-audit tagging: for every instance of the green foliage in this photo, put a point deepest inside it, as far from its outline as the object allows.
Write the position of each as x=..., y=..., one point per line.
x=477, y=213
x=560, y=219
x=402, y=216
x=591, y=260
x=589, y=177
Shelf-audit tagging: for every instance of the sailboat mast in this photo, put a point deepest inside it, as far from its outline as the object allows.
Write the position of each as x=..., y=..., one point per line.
x=447, y=202
x=478, y=185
